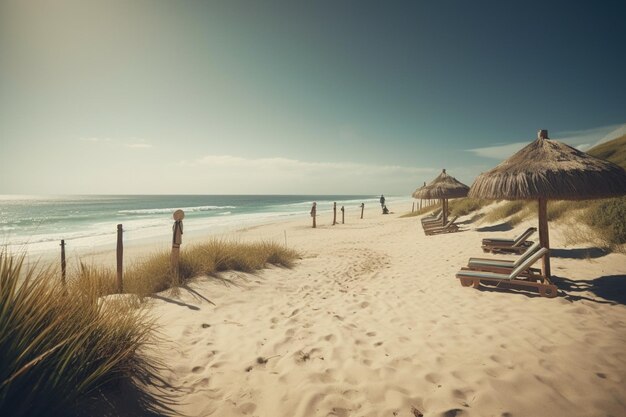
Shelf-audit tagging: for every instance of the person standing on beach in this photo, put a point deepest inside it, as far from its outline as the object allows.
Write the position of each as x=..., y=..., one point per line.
x=382, y=201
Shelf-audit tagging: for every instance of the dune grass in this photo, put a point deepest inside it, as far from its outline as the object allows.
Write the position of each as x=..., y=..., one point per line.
x=423, y=210
x=154, y=275
x=59, y=345
x=64, y=346
x=608, y=220
x=464, y=206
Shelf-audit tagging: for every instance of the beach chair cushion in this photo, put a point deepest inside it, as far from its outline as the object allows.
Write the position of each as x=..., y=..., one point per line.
x=514, y=273
x=504, y=263
x=520, y=239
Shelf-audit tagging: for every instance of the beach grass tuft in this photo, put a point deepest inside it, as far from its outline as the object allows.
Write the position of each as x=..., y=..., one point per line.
x=153, y=274
x=464, y=206
x=59, y=344
x=63, y=346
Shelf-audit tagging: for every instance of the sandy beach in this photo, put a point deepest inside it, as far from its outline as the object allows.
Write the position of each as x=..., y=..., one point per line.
x=372, y=322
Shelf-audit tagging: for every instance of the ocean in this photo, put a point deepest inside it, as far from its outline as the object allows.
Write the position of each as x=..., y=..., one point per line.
x=38, y=223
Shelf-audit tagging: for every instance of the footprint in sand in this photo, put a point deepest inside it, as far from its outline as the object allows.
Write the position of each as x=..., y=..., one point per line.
x=455, y=412
x=330, y=338
x=247, y=408
x=197, y=369
x=433, y=378
x=370, y=334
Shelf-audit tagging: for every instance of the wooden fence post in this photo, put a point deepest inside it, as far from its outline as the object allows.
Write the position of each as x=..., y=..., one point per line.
x=334, y=213
x=342, y=215
x=362, y=208
x=120, y=259
x=413, y=207
x=314, y=214
x=177, y=240
x=63, y=262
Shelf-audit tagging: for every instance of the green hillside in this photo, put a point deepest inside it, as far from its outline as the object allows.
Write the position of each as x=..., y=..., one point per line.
x=614, y=151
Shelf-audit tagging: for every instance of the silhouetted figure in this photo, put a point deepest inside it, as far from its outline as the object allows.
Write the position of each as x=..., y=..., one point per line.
x=382, y=200
x=385, y=210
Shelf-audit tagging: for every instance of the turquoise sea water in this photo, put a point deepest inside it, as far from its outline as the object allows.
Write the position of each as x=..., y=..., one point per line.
x=37, y=220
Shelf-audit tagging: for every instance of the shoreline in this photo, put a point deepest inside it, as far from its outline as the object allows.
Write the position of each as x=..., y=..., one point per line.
x=137, y=248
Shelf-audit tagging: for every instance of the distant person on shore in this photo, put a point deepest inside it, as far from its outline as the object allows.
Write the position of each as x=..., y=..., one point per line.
x=385, y=209
x=382, y=200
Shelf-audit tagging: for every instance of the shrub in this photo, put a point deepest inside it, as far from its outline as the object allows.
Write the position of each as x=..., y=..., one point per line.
x=608, y=217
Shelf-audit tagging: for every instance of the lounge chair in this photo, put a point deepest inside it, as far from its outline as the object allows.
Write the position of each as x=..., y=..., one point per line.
x=448, y=228
x=432, y=219
x=517, y=245
x=505, y=266
x=469, y=277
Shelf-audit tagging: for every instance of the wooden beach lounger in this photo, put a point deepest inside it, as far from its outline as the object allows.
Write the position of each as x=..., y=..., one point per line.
x=469, y=277
x=516, y=245
x=448, y=228
x=432, y=219
x=505, y=266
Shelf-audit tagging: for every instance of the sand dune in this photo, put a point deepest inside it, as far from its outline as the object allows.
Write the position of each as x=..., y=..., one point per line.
x=372, y=322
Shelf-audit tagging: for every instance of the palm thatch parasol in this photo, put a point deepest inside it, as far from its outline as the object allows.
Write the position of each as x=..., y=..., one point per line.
x=550, y=170
x=443, y=187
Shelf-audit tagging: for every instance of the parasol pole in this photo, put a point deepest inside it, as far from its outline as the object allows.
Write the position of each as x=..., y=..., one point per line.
x=544, y=239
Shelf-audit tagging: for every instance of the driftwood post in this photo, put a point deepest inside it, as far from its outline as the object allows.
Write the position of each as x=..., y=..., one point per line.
x=413, y=207
x=177, y=240
x=362, y=208
x=63, y=262
x=342, y=215
x=120, y=259
x=334, y=213
x=314, y=213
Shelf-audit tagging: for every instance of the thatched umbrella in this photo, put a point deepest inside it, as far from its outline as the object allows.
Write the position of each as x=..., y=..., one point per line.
x=443, y=187
x=550, y=170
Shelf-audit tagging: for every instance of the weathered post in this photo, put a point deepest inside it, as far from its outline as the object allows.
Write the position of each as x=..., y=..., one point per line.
x=177, y=240
x=63, y=262
x=342, y=215
x=334, y=213
x=314, y=213
x=413, y=207
x=362, y=208
x=120, y=259
x=543, y=237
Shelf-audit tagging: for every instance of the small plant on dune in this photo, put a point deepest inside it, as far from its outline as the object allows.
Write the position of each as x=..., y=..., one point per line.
x=608, y=218
x=464, y=206
x=560, y=209
x=508, y=209
x=59, y=345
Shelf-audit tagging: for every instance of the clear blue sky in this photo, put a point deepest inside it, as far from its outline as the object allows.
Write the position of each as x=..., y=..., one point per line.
x=295, y=97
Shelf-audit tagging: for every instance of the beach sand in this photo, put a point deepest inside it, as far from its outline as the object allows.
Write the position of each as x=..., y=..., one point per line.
x=372, y=322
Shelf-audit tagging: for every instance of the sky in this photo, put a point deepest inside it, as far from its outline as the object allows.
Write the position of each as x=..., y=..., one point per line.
x=268, y=97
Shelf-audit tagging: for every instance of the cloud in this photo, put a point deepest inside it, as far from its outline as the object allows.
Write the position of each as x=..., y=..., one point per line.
x=498, y=151
x=581, y=139
x=294, y=166
x=279, y=175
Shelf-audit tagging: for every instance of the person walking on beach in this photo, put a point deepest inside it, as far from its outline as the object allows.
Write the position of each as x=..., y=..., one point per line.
x=382, y=201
